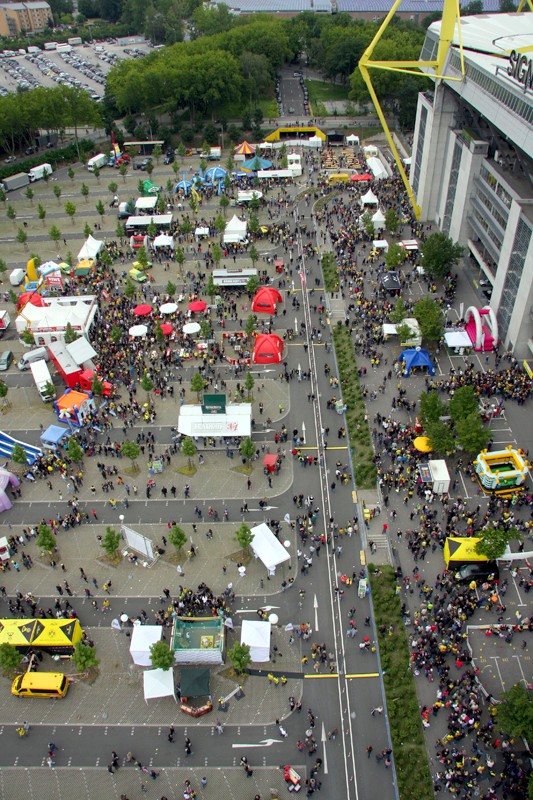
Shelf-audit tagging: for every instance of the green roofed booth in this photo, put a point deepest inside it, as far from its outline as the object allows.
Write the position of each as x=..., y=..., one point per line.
x=194, y=682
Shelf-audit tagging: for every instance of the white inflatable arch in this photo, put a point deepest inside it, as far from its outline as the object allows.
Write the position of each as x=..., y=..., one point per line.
x=490, y=318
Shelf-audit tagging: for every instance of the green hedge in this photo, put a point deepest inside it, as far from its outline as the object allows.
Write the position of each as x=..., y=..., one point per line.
x=365, y=472
x=55, y=157
x=410, y=755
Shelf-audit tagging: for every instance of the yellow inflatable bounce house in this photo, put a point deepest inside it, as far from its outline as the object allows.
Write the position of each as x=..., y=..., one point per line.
x=502, y=472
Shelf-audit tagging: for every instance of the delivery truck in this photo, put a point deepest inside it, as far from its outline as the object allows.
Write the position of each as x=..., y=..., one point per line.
x=43, y=380
x=4, y=322
x=36, y=173
x=15, y=182
x=97, y=162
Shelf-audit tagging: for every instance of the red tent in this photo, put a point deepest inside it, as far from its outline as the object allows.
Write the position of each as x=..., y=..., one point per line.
x=167, y=328
x=270, y=461
x=197, y=305
x=29, y=297
x=265, y=300
x=142, y=311
x=268, y=349
x=362, y=177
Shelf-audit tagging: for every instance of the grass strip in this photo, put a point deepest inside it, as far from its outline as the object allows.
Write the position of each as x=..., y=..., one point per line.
x=410, y=755
x=365, y=473
x=330, y=273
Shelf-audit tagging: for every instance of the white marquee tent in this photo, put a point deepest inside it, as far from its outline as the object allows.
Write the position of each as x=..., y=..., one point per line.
x=90, y=249
x=163, y=240
x=352, y=139
x=315, y=141
x=142, y=637
x=235, y=230
x=376, y=168
x=266, y=547
x=378, y=219
x=256, y=634
x=369, y=199
x=158, y=683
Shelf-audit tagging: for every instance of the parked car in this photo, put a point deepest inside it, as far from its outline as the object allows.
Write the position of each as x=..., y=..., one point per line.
x=479, y=571
x=5, y=360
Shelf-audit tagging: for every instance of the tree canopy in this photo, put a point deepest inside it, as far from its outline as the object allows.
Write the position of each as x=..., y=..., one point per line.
x=440, y=254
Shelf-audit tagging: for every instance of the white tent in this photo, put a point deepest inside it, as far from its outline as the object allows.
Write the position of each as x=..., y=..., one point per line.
x=256, y=634
x=378, y=219
x=370, y=150
x=266, y=547
x=369, y=199
x=457, y=338
x=377, y=168
x=158, y=683
x=90, y=249
x=201, y=231
x=142, y=637
x=235, y=230
x=81, y=350
x=145, y=203
x=352, y=139
x=315, y=141
x=380, y=244
x=163, y=240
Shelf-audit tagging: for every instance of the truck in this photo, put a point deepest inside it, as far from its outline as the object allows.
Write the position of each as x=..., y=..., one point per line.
x=36, y=173
x=16, y=276
x=50, y=45
x=97, y=162
x=215, y=153
x=74, y=40
x=42, y=378
x=4, y=322
x=15, y=182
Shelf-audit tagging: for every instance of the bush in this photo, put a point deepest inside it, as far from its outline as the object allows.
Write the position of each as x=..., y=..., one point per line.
x=410, y=756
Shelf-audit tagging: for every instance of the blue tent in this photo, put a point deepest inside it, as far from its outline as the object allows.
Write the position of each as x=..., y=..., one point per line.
x=215, y=174
x=255, y=164
x=53, y=436
x=416, y=357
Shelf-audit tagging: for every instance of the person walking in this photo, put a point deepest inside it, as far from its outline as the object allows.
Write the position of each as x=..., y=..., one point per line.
x=171, y=732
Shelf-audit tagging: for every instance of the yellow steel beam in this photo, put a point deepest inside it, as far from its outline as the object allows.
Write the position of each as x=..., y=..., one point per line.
x=522, y=4
x=450, y=15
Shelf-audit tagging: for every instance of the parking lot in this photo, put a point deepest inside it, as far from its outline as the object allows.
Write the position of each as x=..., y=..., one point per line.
x=85, y=66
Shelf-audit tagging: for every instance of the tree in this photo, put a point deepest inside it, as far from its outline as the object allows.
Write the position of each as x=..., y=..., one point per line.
x=131, y=450
x=97, y=386
x=216, y=252
x=170, y=289
x=252, y=284
x=22, y=237
x=87, y=230
x=111, y=542
x=189, y=449
x=463, y=403
x=75, y=450
x=18, y=455
x=224, y=203
x=116, y=334
x=177, y=537
x=515, y=713
x=123, y=169
x=240, y=656
x=147, y=384
x=220, y=224
x=70, y=210
x=45, y=538
x=205, y=328
x=440, y=437
x=394, y=256
x=9, y=658
x=3, y=196
x=210, y=288
x=71, y=173
x=186, y=226
x=84, y=657
x=197, y=384
x=4, y=389
x=392, y=221
x=11, y=213
x=70, y=334
x=158, y=331
x=247, y=449
x=41, y=212
x=84, y=191
x=440, y=254
x=471, y=434
x=54, y=233
x=113, y=187
x=432, y=408
x=430, y=317
x=96, y=173
x=157, y=152
x=161, y=656
x=493, y=541
x=29, y=194
x=57, y=191
x=249, y=383
x=249, y=326
x=179, y=257
x=27, y=337
x=368, y=224
x=254, y=255
x=100, y=209
x=129, y=289
x=120, y=230
x=142, y=257
x=244, y=536
x=253, y=224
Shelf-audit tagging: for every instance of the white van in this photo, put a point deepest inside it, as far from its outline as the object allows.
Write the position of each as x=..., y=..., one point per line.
x=39, y=354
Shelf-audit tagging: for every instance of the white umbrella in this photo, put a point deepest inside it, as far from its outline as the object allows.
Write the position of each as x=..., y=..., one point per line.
x=169, y=308
x=138, y=331
x=191, y=327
